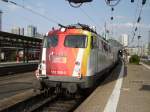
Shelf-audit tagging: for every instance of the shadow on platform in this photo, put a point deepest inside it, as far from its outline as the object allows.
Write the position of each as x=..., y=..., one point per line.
x=113, y=74
x=145, y=87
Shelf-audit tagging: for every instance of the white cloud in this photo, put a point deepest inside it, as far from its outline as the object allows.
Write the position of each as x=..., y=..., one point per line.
x=129, y=25
x=121, y=17
x=39, y=4
x=40, y=7
x=122, y=25
x=12, y=7
x=29, y=7
x=147, y=6
x=145, y=26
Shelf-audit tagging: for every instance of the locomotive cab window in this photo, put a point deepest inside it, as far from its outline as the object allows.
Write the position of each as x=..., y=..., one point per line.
x=93, y=42
x=50, y=41
x=76, y=41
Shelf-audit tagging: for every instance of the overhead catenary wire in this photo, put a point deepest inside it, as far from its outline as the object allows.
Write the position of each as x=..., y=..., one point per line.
x=111, y=22
x=32, y=11
x=112, y=4
x=89, y=17
x=136, y=22
x=47, y=12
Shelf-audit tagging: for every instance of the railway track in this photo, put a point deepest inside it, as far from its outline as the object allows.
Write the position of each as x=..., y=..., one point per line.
x=29, y=104
x=60, y=105
x=44, y=102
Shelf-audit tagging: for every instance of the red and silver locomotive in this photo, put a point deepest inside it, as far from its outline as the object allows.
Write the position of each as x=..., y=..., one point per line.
x=74, y=57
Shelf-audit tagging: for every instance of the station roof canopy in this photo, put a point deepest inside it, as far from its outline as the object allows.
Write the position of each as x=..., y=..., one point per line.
x=14, y=40
x=15, y=36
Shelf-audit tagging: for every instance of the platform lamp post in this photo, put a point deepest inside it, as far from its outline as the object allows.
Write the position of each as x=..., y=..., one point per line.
x=139, y=45
x=0, y=55
x=0, y=30
x=107, y=32
x=148, y=43
x=1, y=20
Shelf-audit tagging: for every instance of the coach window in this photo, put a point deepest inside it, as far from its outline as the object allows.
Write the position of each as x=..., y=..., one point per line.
x=93, y=42
x=76, y=41
x=97, y=43
x=106, y=47
x=102, y=43
x=50, y=41
x=109, y=48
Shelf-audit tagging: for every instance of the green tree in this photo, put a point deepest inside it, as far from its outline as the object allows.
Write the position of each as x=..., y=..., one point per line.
x=134, y=59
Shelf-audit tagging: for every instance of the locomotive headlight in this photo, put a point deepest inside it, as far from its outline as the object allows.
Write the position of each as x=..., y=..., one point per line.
x=63, y=29
x=43, y=62
x=77, y=63
x=40, y=66
x=41, y=72
x=77, y=70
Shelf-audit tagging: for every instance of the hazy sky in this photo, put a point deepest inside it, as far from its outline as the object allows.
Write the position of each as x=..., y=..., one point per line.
x=95, y=13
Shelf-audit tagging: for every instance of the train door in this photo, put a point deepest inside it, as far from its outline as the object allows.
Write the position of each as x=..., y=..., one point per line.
x=94, y=53
x=99, y=55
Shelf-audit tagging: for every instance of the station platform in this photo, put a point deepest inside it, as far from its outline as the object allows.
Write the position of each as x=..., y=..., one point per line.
x=127, y=89
x=14, y=63
x=7, y=68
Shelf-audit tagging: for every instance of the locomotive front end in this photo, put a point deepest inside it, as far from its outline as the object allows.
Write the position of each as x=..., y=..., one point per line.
x=64, y=60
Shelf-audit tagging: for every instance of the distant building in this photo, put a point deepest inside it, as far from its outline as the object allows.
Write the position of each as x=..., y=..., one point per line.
x=38, y=35
x=21, y=31
x=135, y=51
x=124, y=40
x=141, y=50
x=1, y=20
x=145, y=50
x=149, y=43
x=17, y=30
x=31, y=31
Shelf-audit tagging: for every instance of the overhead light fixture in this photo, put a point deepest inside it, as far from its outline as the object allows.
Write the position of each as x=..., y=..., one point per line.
x=79, y=1
x=143, y=2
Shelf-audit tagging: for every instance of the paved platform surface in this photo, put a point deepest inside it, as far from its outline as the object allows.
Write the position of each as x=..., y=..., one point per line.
x=133, y=94
x=16, y=84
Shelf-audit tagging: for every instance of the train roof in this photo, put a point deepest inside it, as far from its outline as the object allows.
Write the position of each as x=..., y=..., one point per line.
x=115, y=43
x=79, y=26
x=83, y=27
